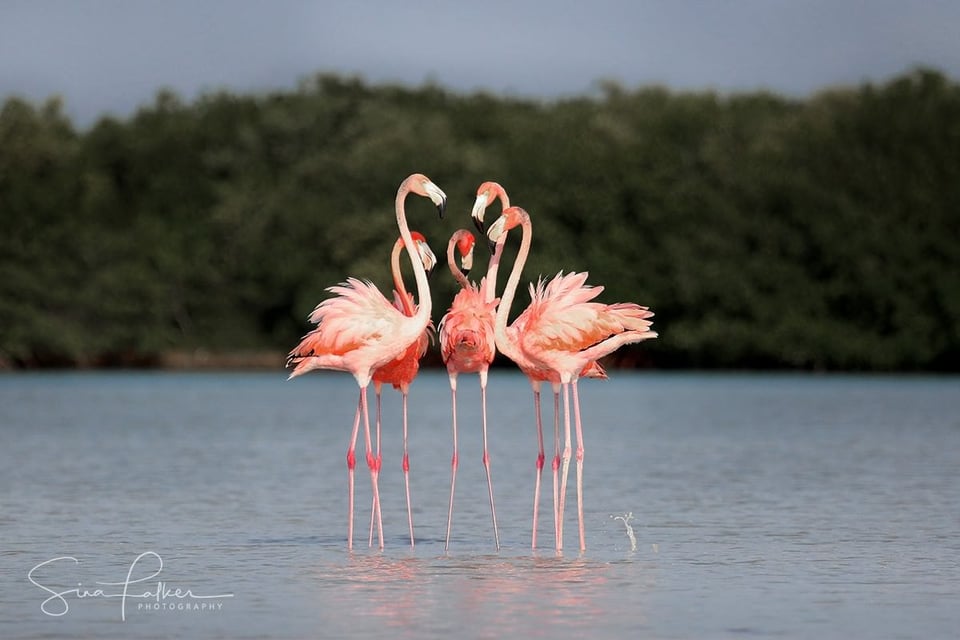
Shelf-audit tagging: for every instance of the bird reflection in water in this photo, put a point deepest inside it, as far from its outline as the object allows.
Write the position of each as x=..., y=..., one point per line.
x=487, y=595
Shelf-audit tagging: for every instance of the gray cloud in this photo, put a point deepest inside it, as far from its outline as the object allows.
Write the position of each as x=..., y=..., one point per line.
x=111, y=55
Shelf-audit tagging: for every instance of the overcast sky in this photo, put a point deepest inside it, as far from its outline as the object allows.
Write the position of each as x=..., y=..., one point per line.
x=113, y=55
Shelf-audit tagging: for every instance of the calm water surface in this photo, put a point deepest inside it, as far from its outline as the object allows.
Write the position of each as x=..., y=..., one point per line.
x=782, y=506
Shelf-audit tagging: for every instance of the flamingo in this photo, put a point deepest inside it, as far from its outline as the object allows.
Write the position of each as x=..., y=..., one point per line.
x=561, y=333
x=467, y=346
x=486, y=194
x=359, y=331
x=400, y=372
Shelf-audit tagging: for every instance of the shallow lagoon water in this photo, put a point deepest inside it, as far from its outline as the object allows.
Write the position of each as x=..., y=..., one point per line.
x=790, y=506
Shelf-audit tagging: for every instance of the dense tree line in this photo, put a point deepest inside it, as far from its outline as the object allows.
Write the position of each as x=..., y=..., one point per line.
x=821, y=233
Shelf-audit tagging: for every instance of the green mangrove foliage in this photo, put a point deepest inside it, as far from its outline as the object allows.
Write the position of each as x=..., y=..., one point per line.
x=821, y=233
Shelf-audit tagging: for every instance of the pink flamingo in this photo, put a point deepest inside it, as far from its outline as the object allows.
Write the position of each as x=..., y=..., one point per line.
x=400, y=372
x=486, y=194
x=359, y=331
x=562, y=332
x=467, y=346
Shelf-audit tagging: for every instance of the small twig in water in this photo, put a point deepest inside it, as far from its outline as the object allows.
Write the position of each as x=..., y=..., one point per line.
x=625, y=519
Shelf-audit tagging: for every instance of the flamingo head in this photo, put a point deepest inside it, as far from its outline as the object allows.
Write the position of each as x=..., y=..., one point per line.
x=486, y=194
x=424, y=186
x=427, y=256
x=465, y=243
x=511, y=218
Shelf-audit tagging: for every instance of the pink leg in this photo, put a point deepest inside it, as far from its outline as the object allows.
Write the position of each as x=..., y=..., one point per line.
x=351, y=464
x=374, y=506
x=373, y=463
x=406, y=467
x=453, y=462
x=567, y=451
x=486, y=455
x=576, y=417
x=556, y=461
x=540, y=459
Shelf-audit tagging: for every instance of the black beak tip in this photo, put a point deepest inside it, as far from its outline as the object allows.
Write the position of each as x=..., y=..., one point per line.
x=466, y=272
x=492, y=246
x=441, y=208
x=478, y=223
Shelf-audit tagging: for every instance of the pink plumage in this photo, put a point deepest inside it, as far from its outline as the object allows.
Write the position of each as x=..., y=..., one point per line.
x=564, y=328
x=359, y=331
x=467, y=345
x=401, y=371
x=466, y=331
x=560, y=336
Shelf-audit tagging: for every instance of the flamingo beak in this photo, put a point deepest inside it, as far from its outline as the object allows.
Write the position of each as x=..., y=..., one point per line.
x=497, y=229
x=437, y=195
x=429, y=260
x=479, y=208
x=466, y=262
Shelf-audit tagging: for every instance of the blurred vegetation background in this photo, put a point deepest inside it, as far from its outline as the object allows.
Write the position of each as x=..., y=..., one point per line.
x=765, y=232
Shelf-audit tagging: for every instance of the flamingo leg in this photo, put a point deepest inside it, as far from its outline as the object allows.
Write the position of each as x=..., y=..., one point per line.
x=406, y=468
x=486, y=455
x=579, y=454
x=453, y=462
x=567, y=451
x=373, y=463
x=351, y=464
x=540, y=459
x=374, y=507
x=556, y=462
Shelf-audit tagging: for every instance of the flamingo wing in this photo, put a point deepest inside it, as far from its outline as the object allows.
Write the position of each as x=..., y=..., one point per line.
x=357, y=324
x=357, y=315
x=563, y=317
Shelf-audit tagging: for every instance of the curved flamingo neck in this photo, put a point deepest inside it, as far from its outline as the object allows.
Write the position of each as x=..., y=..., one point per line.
x=452, y=262
x=510, y=289
x=494, y=266
x=419, y=273
x=398, y=285
x=489, y=287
